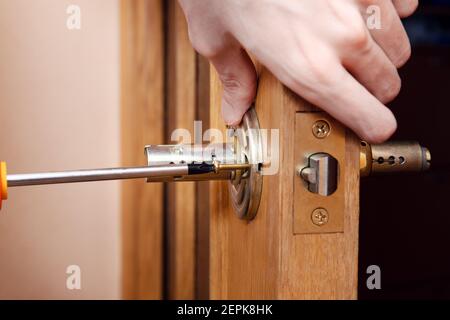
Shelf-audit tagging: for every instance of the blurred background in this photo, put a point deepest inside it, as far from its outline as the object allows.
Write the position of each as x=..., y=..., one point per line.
x=404, y=220
x=59, y=109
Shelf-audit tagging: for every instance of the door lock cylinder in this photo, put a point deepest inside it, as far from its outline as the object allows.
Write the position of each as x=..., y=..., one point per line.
x=393, y=157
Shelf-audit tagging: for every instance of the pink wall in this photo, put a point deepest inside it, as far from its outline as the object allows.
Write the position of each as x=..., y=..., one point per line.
x=59, y=109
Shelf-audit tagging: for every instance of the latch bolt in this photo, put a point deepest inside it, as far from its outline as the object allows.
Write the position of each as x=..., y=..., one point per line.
x=321, y=174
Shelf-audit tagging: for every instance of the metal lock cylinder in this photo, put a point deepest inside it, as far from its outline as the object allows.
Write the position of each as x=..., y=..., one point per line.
x=239, y=162
x=393, y=157
x=223, y=153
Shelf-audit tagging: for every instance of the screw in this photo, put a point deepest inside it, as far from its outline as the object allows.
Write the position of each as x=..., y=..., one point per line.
x=321, y=129
x=320, y=217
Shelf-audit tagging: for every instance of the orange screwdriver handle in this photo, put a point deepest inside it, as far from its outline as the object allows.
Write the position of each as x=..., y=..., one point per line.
x=3, y=183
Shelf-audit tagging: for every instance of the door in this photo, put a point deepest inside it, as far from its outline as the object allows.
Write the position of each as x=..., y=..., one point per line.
x=267, y=258
x=181, y=246
x=189, y=240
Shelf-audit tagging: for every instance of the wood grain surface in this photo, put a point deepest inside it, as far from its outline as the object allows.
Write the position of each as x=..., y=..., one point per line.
x=263, y=259
x=181, y=94
x=142, y=99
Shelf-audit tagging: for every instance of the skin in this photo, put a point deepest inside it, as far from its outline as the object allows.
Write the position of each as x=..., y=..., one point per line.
x=320, y=49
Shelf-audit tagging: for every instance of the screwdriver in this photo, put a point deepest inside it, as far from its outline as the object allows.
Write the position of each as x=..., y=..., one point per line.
x=62, y=177
x=47, y=178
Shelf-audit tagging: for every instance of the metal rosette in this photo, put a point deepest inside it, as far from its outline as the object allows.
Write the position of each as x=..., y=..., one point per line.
x=246, y=188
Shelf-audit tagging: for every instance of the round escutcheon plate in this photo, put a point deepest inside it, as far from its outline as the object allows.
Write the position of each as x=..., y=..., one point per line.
x=245, y=191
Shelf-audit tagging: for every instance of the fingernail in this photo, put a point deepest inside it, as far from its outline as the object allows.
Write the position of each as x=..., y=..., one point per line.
x=230, y=115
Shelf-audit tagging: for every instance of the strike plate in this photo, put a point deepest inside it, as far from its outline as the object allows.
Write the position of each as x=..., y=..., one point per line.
x=314, y=213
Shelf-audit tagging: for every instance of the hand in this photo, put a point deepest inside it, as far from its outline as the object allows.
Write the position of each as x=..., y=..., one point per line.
x=320, y=49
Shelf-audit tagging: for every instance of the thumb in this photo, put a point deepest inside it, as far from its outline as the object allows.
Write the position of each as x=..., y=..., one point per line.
x=238, y=76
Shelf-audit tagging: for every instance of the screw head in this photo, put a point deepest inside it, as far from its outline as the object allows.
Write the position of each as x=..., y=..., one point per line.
x=320, y=217
x=321, y=129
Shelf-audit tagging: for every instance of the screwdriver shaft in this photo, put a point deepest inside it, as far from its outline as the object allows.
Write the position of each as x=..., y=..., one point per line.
x=45, y=178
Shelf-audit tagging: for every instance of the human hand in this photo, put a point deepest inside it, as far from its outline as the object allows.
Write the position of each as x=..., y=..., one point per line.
x=320, y=49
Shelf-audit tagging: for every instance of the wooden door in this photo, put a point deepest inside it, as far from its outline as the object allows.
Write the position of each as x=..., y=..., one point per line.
x=263, y=258
x=165, y=86
x=177, y=242
x=142, y=99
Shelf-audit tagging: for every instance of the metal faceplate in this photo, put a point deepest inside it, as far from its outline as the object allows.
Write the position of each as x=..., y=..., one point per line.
x=245, y=191
x=320, y=157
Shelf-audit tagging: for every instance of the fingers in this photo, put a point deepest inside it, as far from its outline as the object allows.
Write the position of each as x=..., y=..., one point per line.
x=405, y=8
x=391, y=36
x=238, y=76
x=373, y=69
x=359, y=110
x=344, y=98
